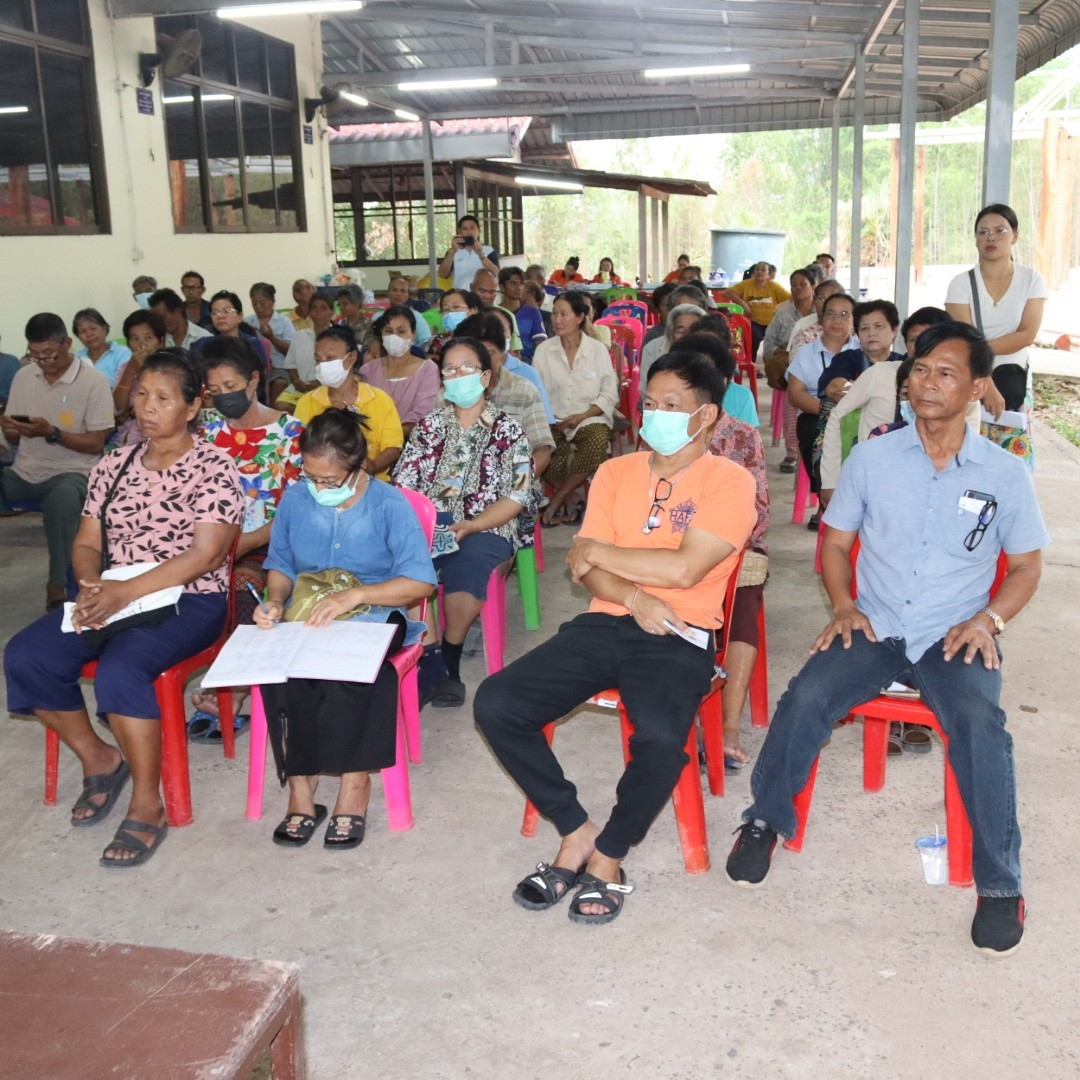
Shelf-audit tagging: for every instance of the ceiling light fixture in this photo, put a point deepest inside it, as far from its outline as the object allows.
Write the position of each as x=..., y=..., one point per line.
x=356, y=99
x=289, y=7
x=187, y=98
x=538, y=181
x=404, y=114
x=449, y=84
x=711, y=69
x=10, y=110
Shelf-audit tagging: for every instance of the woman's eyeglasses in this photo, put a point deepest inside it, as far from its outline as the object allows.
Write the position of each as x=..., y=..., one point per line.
x=974, y=538
x=653, y=521
x=465, y=369
x=1000, y=230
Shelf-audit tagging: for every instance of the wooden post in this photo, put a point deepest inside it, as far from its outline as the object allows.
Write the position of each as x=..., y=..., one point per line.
x=920, y=211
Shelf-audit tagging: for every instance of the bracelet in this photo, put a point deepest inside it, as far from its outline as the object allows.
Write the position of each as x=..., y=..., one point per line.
x=634, y=598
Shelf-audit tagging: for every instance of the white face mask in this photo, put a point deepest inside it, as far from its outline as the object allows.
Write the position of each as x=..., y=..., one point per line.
x=509, y=342
x=395, y=345
x=331, y=373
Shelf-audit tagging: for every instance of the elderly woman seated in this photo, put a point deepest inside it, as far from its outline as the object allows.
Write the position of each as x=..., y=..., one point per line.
x=400, y=369
x=474, y=463
x=358, y=544
x=167, y=510
x=678, y=322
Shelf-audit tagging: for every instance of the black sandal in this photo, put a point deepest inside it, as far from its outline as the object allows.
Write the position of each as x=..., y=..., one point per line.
x=107, y=784
x=125, y=840
x=607, y=894
x=296, y=830
x=344, y=831
x=541, y=891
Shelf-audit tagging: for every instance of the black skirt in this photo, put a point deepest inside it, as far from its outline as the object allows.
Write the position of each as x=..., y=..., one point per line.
x=320, y=726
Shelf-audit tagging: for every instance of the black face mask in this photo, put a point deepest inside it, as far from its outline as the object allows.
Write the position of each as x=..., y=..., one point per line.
x=232, y=405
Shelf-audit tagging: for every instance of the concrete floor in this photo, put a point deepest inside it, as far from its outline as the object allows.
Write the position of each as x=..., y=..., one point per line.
x=415, y=963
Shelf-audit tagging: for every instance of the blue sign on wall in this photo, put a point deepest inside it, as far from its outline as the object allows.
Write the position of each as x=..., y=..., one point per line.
x=144, y=99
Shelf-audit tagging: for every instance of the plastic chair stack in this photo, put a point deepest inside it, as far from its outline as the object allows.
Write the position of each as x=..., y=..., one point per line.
x=395, y=780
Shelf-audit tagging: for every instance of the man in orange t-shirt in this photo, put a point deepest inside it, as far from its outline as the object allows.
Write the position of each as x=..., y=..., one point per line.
x=662, y=534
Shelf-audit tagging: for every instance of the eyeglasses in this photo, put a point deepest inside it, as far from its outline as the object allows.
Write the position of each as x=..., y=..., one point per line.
x=224, y=311
x=1000, y=230
x=974, y=538
x=465, y=369
x=653, y=521
x=324, y=483
x=842, y=315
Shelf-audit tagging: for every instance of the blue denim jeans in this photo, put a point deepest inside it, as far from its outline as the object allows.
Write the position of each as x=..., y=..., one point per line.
x=964, y=697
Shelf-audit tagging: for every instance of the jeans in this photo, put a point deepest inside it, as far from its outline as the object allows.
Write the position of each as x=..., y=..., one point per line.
x=61, y=499
x=661, y=680
x=963, y=697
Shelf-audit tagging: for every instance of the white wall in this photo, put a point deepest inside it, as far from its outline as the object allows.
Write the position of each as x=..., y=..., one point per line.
x=65, y=273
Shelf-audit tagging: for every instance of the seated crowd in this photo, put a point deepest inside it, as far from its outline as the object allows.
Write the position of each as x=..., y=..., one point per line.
x=222, y=452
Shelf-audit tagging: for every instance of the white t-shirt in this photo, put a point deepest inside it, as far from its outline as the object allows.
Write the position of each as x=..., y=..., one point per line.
x=301, y=356
x=1004, y=316
x=811, y=360
x=467, y=262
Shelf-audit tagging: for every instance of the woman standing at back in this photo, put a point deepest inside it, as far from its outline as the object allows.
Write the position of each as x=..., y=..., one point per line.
x=1005, y=301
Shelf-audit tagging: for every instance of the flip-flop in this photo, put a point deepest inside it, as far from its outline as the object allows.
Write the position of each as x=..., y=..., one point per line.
x=734, y=765
x=541, y=891
x=571, y=514
x=107, y=784
x=606, y=894
x=344, y=831
x=199, y=725
x=240, y=725
x=896, y=739
x=302, y=829
x=916, y=740
x=125, y=840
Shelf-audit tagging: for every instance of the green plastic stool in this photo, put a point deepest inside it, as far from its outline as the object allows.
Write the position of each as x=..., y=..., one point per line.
x=528, y=586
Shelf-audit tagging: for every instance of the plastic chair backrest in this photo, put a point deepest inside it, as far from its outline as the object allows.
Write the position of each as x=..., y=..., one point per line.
x=623, y=336
x=619, y=292
x=433, y=317
x=430, y=296
x=634, y=308
x=999, y=573
x=729, y=605
x=424, y=509
x=628, y=323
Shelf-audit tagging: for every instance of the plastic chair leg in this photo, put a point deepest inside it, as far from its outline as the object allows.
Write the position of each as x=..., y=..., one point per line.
x=711, y=713
x=409, y=706
x=777, y=416
x=256, y=757
x=493, y=620
x=175, y=780
x=532, y=815
x=528, y=586
x=395, y=780
x=228, y=729
x=52, y=765
x=802, y=490
x=538, y=546
x=802, y=809
x=875, y=752
x=759, y=677
x=958, y=830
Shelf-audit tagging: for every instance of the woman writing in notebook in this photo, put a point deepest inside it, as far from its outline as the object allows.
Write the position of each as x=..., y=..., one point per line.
x=344, y=545
x=172, y=504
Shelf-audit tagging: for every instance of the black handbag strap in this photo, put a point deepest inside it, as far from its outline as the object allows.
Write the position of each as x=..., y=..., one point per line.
x=105, y=561
x=976, y=311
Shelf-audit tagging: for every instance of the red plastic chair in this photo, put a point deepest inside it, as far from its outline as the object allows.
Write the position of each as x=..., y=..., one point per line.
x=169, y=691
x=742, y=339
x=803, y=495
x=405, y=660
x=687, y=797
x=877, y=714
x=759, y=677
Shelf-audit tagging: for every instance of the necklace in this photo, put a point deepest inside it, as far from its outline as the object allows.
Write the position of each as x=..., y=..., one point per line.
x=654, y=520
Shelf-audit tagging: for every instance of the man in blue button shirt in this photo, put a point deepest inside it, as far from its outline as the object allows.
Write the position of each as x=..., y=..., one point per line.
x=932, y=504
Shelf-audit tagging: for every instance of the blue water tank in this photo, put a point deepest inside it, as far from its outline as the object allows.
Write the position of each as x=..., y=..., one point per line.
x=736, y=250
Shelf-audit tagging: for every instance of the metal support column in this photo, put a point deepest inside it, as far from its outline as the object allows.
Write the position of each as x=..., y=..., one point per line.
x=1000, y=89
x=429, y=198
x=654, y=273
x=909, y=105
x=856, y=173
x=834, y=207
x=642, y=237
x=665, y=239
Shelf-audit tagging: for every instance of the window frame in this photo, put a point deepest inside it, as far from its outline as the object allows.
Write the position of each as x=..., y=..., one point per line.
x=92, y=123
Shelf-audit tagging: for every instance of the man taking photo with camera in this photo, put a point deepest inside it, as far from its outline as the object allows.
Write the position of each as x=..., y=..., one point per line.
x=466, y=255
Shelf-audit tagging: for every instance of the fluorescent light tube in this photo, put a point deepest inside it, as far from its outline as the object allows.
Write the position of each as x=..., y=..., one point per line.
x=289, y=7
x=450, y=84
x=560, y=185
x=10, y=110
x=356, y=99
x=711, y=69
x=404, y=114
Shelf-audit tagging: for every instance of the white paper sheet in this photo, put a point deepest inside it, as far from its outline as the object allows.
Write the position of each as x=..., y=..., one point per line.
x=345, y=651
x=150, y=602
x=1018, y=420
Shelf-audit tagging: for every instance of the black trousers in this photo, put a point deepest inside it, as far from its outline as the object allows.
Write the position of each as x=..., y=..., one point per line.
x=806, y=427
x=661, y=679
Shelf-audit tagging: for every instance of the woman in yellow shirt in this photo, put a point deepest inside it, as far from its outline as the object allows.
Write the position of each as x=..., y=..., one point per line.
x=762, y=297
x=335, y=368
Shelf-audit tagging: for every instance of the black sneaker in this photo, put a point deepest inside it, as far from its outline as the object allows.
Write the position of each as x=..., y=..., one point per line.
x=749, y=860
x=814, y=522
x=998, y=926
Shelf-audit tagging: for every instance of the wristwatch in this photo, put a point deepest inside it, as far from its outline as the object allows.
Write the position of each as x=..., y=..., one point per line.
x=996, y=619
x=54, y=437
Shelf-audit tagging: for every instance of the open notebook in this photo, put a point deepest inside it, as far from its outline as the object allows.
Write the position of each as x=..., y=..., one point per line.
x=343, y=651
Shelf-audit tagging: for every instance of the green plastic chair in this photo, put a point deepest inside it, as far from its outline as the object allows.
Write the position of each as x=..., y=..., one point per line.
x=433, y=317
x=528, y=586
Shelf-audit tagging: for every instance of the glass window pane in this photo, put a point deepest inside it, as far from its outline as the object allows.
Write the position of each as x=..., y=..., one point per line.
x=288, y=194
x=61, y=19
x=15, y=13
x=258, y=166
x=182, y=140
x=24, y=187
x=379, y=231
x=64, y=81
x=215, y=61
x=250, y=60
x=223, y=158
x=282, y=69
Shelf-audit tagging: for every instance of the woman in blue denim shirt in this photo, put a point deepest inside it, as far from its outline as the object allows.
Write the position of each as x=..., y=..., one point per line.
x=341, y=518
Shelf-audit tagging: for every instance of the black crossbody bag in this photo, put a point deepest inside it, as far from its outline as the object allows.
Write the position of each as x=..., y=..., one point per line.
x=1010, y=379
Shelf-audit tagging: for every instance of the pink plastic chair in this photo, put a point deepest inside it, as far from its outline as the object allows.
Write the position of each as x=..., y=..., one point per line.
x=776, y=417
x=492, y=617
x=803, y=495
x=395, y=780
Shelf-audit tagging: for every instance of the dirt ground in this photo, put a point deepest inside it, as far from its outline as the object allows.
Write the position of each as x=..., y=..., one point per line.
x=1057, y=404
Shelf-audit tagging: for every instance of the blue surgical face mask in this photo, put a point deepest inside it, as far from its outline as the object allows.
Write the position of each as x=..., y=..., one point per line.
x=667, y=432
x=143, y=300
x=465, y=390
x=907, y=412
x=331, y=496
x=451, y=320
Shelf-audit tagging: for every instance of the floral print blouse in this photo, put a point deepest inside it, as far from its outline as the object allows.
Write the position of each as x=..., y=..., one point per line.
x=152, y=515
x=737, y=441
x=267, y=458
x=464, y=471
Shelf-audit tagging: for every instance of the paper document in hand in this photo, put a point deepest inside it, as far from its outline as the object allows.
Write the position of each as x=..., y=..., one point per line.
x=1018, y=420
x=345, y=651
x=150, y=602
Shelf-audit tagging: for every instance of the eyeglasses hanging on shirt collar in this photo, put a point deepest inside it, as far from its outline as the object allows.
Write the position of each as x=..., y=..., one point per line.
x=986, y=515
x=653, y=521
